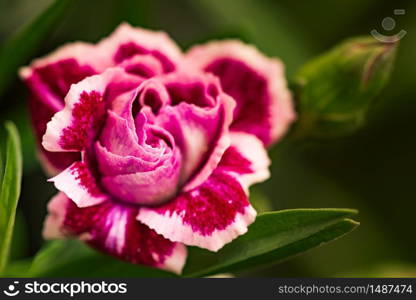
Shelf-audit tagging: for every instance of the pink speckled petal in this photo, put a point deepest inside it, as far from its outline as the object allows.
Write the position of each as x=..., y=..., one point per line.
x=247, y=159
x=48, y=80
x=56, y=68
x=74, y=127
x=80, y=185
x=209, y=216
x=257, y=83
x=113, y=229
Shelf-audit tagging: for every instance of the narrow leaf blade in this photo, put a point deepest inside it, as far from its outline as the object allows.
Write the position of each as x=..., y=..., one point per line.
x=10, y=191
x=273, y=237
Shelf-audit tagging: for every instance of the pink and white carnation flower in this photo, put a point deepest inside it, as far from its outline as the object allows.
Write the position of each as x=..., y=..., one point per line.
x=151, y=149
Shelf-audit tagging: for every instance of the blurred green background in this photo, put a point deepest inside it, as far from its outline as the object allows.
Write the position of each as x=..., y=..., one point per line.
x=372, y=170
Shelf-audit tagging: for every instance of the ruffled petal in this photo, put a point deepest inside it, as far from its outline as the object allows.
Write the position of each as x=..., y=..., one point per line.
x=149, y=187
x=64, y=65
x=138, y=169
x=247, y=159
x=209, y=216
x=111, y=164
x=48, y=80
x=80, y=185
x=74, y=127
x=145, y=188
x=145, y=66
x=198, y=117
x=119, y=137
x=257, y=83
x=113, y=229
x=126, y=42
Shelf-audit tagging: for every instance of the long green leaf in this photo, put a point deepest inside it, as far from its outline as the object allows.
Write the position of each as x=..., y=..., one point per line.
x=10, y=191
x=18, y=49
x=71, y=258
x=273, y=237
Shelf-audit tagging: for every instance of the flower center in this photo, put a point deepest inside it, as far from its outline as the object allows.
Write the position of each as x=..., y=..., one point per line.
x=137, y=160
